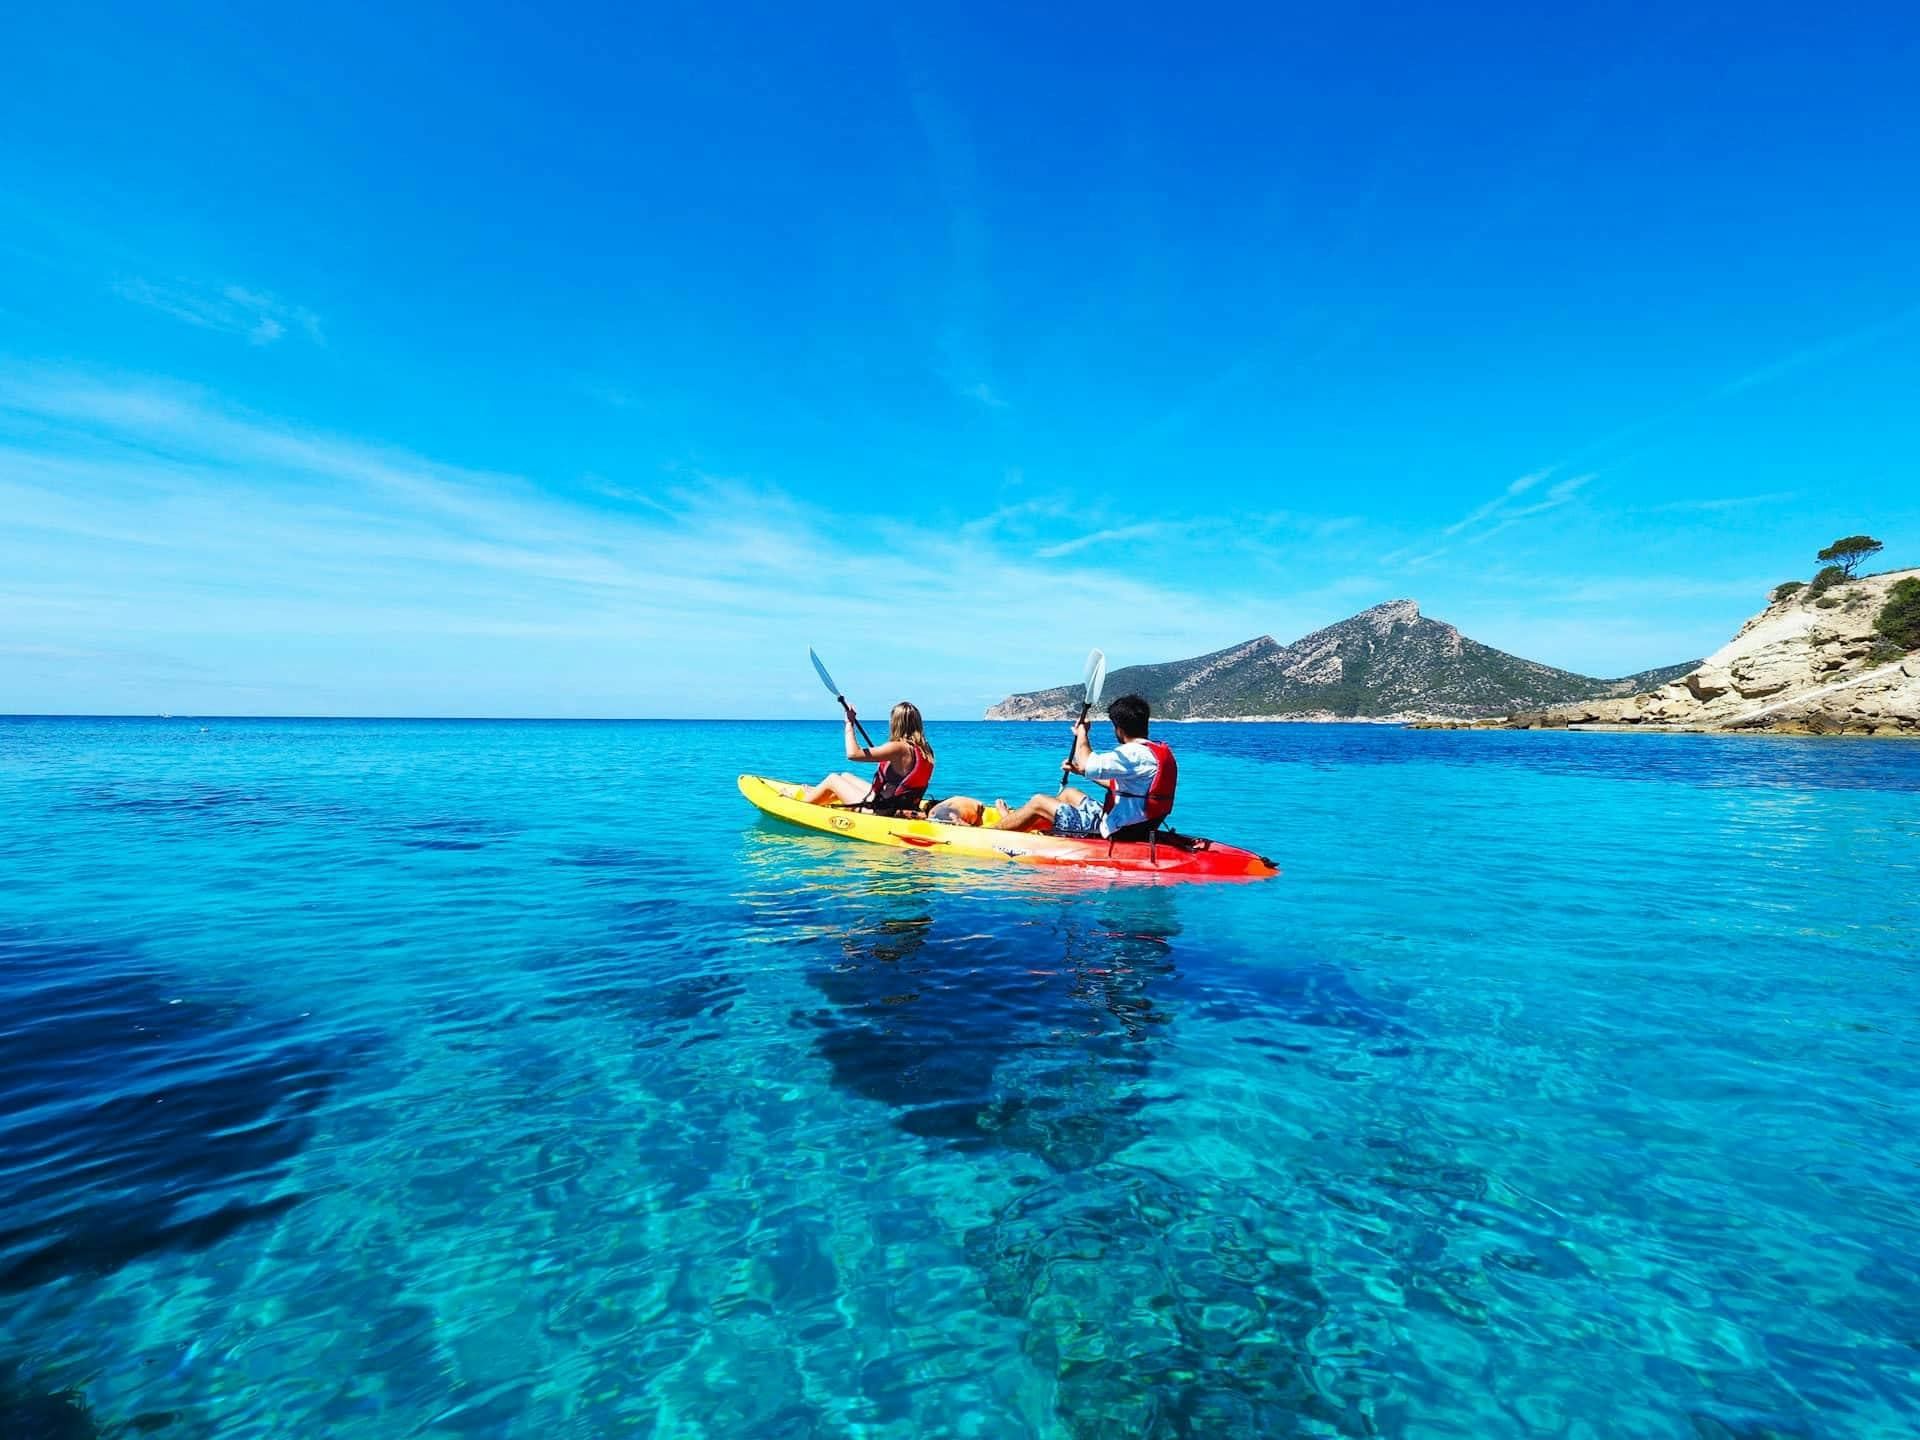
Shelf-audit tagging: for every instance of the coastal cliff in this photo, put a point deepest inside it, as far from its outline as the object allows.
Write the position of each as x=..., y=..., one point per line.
x=1813, y=662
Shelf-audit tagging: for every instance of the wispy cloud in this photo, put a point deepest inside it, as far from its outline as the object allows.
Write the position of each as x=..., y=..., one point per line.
x=984, y=393
x=961, y=340
x=1793, y=362
x=617, y=397
x=1499, y=503
x=1016, y=515
x=1505, y=510
x=1724, y=502
x=160, y=519
x=1558, y=494
x=232, y=309
x=1640, y=589
x=1115, y=535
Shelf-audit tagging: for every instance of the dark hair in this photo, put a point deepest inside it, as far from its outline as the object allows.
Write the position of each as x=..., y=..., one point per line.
x=1129, y=714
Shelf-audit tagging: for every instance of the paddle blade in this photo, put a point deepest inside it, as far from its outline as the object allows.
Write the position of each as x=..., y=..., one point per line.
x=1096, y=678
x=821, y=671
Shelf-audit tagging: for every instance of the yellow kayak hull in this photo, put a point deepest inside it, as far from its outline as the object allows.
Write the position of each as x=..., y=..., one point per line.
x=1184, y=857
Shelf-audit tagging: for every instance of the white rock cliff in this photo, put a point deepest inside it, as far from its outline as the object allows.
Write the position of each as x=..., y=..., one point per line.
x=1811, y=666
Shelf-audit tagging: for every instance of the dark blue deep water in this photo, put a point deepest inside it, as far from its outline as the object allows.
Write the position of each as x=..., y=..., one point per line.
x=392, y=1079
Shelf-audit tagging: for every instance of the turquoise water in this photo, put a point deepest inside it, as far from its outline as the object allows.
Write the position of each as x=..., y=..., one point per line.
x=395, y=1078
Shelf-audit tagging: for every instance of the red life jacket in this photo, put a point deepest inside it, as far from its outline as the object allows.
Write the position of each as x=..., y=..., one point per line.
x=910, y=786
x=1166, y=779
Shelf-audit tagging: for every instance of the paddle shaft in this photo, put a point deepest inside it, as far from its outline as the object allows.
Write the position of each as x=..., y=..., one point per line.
x=1066, y=767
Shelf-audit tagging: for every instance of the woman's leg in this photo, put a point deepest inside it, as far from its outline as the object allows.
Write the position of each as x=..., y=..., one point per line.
x=849, y=789
x=843, y=788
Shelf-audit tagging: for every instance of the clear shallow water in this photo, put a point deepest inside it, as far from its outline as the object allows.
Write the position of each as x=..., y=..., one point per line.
x=417, y=1079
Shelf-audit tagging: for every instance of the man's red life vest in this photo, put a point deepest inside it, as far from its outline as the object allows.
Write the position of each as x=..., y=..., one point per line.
x=1166, y=779
x=911, y=786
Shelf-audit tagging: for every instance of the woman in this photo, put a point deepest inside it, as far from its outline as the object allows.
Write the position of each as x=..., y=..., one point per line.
x=906, y=766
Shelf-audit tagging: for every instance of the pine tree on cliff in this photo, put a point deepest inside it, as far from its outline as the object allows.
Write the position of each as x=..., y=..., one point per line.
x=1849, y=551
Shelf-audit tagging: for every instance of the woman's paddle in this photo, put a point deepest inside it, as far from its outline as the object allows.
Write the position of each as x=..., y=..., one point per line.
x=1096, y=678
x=834, y=690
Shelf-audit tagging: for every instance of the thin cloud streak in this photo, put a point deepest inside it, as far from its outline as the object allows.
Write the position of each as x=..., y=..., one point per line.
x=1728, y=502
x=1494, y=517
x=232, y=309
x=984, y=393
x=1806, y=357
x=1492, y=507
x=1115, y=535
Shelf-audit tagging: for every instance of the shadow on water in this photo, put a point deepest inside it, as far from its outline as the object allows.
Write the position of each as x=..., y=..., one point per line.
x=985, y=1029
x=29, y=1410
x=1035, y=1028
x=138, y=1122
x=1163, y=1302
x=1034, y=1040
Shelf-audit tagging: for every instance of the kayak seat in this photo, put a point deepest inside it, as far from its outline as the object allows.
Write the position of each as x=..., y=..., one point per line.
x=901, y=802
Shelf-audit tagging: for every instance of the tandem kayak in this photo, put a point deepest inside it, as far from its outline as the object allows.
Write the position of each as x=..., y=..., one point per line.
x=1175, y=855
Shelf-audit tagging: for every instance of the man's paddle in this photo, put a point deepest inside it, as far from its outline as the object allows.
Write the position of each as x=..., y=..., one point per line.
x=834, y=690
x=1096, y=678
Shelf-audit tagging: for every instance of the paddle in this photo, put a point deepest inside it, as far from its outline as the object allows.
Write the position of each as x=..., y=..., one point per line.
x=1096, y=677
x=834, y=690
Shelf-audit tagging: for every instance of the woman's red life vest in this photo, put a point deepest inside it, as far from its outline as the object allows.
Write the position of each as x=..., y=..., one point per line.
x=1166, y=779
x=888, y=785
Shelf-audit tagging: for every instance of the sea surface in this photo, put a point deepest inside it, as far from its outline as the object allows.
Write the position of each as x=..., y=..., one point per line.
x=517, y=1079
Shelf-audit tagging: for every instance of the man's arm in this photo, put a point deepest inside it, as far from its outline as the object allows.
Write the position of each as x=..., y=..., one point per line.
x=1082, y=746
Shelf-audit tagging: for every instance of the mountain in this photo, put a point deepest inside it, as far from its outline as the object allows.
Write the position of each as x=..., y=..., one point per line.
x=1387, y=662
x=1814, y=662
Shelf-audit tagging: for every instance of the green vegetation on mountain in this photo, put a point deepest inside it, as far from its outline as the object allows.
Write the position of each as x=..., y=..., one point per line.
x=1899, y=619
x=1824, y=580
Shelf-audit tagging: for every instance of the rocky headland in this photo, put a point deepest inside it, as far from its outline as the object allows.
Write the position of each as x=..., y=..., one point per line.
x=1815, y=661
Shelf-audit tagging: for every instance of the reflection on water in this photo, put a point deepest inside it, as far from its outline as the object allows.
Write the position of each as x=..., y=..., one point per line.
x=378, y=1080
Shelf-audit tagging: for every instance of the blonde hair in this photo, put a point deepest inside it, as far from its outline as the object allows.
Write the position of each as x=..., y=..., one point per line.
x=905, y=724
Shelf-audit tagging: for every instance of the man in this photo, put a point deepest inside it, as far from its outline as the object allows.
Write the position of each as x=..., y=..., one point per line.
x=1139, y=775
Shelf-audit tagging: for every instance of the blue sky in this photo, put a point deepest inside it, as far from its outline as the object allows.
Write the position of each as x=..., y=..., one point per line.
x=455, y=360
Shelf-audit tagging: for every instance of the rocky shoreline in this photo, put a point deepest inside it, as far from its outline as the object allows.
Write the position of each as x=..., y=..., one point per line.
x=1811, y=663
x=1304, y=717
x=1825, y=657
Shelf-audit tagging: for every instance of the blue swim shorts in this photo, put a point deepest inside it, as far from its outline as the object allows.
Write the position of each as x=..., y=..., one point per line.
x=1078, y=819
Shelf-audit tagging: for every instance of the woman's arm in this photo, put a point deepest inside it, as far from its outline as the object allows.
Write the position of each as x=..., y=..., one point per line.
x=886, y=752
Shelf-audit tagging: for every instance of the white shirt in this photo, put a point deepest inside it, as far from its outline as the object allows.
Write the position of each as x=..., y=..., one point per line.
x=1134, y=767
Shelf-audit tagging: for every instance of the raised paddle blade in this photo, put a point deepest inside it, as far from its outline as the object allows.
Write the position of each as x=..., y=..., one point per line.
x=834, y=691
x=821, y=671
x=1089, y=697
x=1096, y=678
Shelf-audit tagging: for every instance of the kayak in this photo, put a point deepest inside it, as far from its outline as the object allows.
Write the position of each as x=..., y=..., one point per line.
x=1176, y=855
